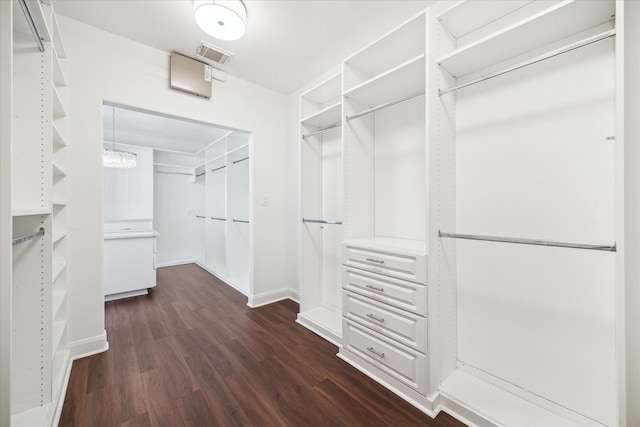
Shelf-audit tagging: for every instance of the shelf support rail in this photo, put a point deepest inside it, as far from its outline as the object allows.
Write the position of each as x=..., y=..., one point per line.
x=27, y=237
x=333, y=126
x=385, y=105
x=548, y=55
x=241, y=160
x=322, y=221
x=32, y=24
x=609, y=248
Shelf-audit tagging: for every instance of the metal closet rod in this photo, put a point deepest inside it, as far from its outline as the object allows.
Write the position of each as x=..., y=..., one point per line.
x=335, y=125
x=385, y=105
x=241, y=220
x=27, y=237
x=32, y=25
x=548, y=55
x=174, y=173
x=321, y=221
x=217, y=169
x=201, y=216
x=609, y=248
x=218, y=219
x=200, y=174
x=241, y=160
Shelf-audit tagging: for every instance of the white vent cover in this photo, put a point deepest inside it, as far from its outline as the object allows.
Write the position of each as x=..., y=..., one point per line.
x=213, y=53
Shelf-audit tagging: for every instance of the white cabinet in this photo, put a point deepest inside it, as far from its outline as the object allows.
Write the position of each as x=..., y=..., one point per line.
x=129, y=264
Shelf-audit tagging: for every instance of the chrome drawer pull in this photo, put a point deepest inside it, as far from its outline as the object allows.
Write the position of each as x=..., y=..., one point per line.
x=372, y=317
x=375, y=260
x=371, y=349
x=375, y=289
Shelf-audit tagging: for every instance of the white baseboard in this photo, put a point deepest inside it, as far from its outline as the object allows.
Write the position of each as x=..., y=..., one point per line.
x=89, y=346
x=273, y=296
x=174, y=262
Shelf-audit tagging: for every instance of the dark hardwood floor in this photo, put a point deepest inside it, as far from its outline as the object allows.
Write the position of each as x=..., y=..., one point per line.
x=191, y=353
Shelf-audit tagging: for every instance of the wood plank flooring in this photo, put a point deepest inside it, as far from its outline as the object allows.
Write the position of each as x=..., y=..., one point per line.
x=191, y=353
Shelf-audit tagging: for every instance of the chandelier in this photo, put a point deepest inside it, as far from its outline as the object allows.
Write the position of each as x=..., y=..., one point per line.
x=112, y=158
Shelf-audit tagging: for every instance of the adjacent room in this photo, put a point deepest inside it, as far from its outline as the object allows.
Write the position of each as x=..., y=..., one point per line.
x=319, y=213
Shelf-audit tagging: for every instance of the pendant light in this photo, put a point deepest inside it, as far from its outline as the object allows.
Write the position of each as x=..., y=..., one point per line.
x=222, y=19
x=112, y=158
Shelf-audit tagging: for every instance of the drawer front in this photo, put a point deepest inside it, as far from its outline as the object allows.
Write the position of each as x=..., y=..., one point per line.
x=405, y=365
x=399, y=325
x=407, y=267
x=398, y=293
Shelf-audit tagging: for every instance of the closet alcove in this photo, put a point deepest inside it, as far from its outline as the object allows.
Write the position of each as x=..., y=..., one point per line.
x=187, y=200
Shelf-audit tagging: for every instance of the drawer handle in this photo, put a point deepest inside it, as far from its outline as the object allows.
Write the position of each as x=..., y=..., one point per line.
x=372, y=317
x=379, y=261
x=372, y=350
x=375, y=288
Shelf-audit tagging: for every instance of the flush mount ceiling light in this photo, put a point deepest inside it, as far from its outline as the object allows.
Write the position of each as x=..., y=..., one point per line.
x=112, y=158
x=222, y=19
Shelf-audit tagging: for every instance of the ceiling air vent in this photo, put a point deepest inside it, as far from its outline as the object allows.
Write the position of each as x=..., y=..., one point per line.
x=213, y=53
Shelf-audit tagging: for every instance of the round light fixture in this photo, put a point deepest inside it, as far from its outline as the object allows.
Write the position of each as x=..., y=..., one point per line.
x=222, y=19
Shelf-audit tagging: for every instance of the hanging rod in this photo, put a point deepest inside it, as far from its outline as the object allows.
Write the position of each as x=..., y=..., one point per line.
x=548, y=55
x=241, y=160
x=385, y=105
x=528, y=241
x=201, y=216
x=217, y=169
x=200, y=174
x=335, y=125
x=321, y=221
x=218, y=219
x=241, y=220
x=32, y=25
x=27, y=237
x=174, y=173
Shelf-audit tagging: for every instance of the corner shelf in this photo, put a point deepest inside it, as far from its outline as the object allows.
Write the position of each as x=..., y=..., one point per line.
x=555, y=23
x=326, y=117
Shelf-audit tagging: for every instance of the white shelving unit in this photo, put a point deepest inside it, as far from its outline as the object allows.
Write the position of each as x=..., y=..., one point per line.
x=40, y=358
x=321, y=196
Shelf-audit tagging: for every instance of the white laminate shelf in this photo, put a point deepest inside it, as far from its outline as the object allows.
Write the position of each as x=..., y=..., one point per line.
x=58, y=171
x=396, y=47
x=555, y=23
x=58, y=139
x=404, y=80
x=466, y=16
x=324, y=92
x=58, y=297
x=326, y=117
x=58, y=107
x=58, y=268
x=324, y=321
x=31, y=211
x=59, y=201
x=58, y=234
x=57, y=38
x=59, y=79
x=59, y=328
x=33, y=417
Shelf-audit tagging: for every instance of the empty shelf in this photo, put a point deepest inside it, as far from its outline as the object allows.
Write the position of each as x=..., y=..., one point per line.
x=325, y=117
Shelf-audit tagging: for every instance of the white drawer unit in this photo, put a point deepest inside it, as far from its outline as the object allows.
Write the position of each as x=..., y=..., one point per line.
x=401, y=264
x=405, y=365
x=404, y=327
x=398, y=293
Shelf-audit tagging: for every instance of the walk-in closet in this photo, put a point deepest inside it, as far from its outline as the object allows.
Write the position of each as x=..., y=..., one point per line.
x=392, y=212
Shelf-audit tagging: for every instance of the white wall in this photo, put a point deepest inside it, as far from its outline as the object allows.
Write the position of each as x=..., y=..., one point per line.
x=106, y=68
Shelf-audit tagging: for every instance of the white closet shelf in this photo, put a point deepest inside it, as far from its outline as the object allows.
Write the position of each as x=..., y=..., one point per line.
x=58, y=171
x=58, y=107
x=325, y=92
x=58, y=267
x=558, y=22
x=61, y=364
x=59, y=202
x=326, y=117
x=59, y=79
x=57, y=39
x=401, y=246
x=401, y=81
x=58, y=139
x=384, y=53
x=58, y=234
x=33, y=417
x=57, y=299
x=466, y=16
x=58, y=330
x=31, y=211
x=324, y=321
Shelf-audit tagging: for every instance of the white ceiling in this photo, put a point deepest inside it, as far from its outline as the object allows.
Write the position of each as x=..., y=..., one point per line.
x=156, y=131
x=288, y=42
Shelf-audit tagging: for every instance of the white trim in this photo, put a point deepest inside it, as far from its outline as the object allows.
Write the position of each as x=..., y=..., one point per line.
x=89, y=346
x=319, y=330
x=59, y=404
x=176, y=262
x=271, y=297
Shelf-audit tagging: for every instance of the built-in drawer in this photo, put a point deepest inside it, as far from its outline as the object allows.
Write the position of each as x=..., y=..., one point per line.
x=407, y=328
x=398, y=293
x=403, y=266
x=404, y=364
